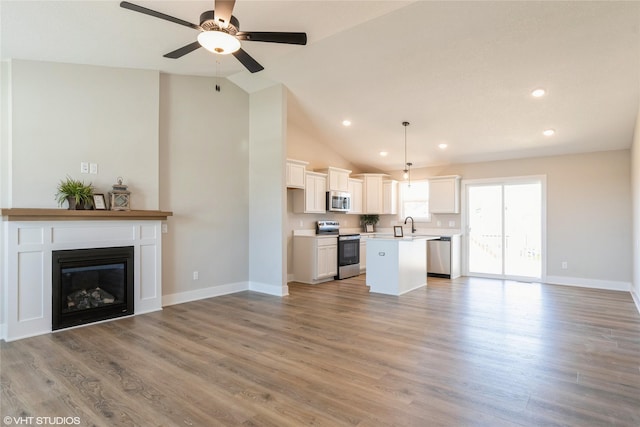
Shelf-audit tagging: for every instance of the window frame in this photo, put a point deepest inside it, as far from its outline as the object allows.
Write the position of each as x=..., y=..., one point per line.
x=401, y=200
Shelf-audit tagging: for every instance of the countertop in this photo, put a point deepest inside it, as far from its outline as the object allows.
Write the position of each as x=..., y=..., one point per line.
x=388, y=232
x=378, y=236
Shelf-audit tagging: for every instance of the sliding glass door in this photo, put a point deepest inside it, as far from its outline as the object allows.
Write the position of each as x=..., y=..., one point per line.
x=505, y=228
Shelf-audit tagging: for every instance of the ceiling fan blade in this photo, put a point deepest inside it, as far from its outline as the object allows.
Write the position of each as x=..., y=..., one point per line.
x=136, y=8
x=273, y=37
x=222, y=10
x=246, y=60
x=178, y=53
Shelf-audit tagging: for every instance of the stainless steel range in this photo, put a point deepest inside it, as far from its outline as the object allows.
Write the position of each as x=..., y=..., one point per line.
x=348, y=249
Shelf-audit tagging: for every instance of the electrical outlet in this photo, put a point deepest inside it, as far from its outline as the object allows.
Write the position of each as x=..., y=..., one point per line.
x=565, y=265
x=196, y=276
x=452, y=224
x=84, y=167
x=165, y=228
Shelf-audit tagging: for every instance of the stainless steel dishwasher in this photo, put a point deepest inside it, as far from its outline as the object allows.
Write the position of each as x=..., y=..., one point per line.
x=439, y=257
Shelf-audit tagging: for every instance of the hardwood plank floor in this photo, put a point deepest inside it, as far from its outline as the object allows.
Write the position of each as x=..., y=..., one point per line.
x=473, y=352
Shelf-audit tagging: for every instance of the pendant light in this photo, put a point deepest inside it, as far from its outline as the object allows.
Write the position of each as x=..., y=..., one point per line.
x=407, y=165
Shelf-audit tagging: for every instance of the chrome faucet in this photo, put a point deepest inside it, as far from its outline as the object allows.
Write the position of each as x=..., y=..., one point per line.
x=413, y=228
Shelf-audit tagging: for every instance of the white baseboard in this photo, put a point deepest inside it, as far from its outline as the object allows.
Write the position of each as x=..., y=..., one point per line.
x=589, y=283
x=636, y=299
x=198, y=294
x=266, y=288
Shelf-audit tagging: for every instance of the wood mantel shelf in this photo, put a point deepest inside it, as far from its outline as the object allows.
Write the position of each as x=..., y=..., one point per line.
x=35, y=214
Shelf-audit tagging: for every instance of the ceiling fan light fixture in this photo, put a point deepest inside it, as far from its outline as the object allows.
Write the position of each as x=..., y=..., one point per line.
x=216, y=41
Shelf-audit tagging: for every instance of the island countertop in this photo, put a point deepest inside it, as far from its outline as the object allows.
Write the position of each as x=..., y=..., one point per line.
x=403, y=239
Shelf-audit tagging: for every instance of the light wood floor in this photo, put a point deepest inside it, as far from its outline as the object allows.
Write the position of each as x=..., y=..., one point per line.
x=468, y=352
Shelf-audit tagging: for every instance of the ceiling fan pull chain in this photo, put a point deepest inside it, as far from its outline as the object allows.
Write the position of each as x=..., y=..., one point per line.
x=217, y=77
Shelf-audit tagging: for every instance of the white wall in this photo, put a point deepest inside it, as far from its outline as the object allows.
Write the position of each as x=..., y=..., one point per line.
x=5, y=132
x=204, y=168
x=635, y=185
x=63, y=114
x=268, y=148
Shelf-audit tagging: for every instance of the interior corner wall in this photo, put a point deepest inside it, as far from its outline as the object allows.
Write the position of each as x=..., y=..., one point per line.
x=65, y=114
x=635, y=188
x=267, y=192
x=204, y=181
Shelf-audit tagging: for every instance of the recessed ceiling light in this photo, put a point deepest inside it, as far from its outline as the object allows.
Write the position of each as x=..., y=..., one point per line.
x=537, y=93
x=548, y=132
x=442, y=146
x=383, y=154
x=346, y=123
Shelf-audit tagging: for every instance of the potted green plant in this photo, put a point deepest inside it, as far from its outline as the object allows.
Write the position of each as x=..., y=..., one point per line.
x=371, y=220
x=78, y=194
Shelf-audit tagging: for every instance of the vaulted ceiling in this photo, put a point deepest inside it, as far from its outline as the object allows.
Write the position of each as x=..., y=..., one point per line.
x=461, y=73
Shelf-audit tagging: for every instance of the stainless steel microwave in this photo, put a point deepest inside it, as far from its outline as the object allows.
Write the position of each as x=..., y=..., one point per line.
x=338, y=201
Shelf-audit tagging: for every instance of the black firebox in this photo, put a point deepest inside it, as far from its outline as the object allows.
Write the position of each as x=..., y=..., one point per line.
x=90, y=285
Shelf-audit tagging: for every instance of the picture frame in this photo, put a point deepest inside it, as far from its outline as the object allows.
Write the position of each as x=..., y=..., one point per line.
x=368, y=228
x=397, y=231
x=99, y=202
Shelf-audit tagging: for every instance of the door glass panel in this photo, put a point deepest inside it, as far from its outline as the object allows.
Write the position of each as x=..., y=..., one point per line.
x=522, y=225
x=485, y=229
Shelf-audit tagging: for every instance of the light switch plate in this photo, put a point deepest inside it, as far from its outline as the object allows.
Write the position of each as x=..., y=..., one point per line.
x=93, y=168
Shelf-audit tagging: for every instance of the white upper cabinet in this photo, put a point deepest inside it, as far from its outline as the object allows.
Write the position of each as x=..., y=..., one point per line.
x=355, y=189
x=444, y=194
x=373, y=198
x=338, y=179
x=313, y=198
x=390, y=197
x=295, y=173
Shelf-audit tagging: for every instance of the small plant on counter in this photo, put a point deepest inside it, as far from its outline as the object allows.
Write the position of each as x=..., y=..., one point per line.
x=369, y=219
x=78, y=194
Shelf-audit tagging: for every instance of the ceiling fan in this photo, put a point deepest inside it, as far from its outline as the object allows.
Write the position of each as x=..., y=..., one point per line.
x=219, y=33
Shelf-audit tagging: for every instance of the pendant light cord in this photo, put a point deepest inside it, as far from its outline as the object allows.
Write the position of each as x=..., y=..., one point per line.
x=407, y=165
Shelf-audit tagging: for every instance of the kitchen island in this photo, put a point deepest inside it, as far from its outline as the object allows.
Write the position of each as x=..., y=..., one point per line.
x=397, y=265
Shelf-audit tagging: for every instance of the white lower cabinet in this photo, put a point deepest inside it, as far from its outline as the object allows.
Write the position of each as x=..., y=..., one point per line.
x=315, y=258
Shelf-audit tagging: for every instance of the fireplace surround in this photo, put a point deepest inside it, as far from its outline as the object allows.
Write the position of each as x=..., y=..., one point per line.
x=31, y=235
x=89, y=285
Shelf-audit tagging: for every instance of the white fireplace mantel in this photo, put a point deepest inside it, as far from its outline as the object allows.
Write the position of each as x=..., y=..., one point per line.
x=29, y=240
